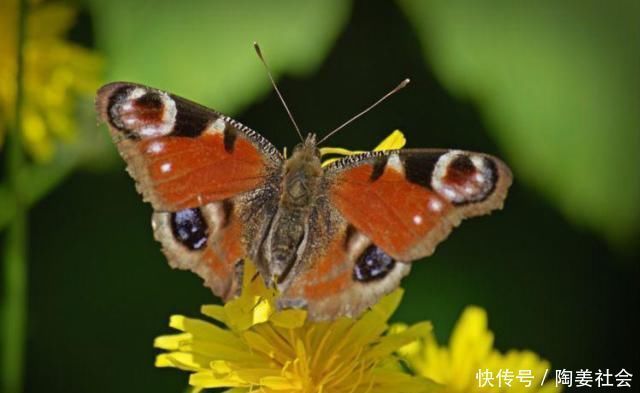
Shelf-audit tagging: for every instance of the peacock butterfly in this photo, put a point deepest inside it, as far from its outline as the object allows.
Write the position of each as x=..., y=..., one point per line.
x=332, y=239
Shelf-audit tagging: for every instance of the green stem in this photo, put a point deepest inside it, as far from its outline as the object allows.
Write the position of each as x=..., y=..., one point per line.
x=15, y=255
x=14, y=318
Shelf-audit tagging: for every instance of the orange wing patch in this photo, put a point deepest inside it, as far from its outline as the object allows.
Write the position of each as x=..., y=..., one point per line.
x=314, y=291
x=188, y=172
x=394, y=213
x=226, y=250
x=330, y=274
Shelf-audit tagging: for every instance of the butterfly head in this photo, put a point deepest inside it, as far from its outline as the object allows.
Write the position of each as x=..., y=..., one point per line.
x=307, y=150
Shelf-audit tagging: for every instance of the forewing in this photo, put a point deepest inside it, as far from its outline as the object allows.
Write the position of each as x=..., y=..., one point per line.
x=201, y=171
x=183, y=155
x=407, y=201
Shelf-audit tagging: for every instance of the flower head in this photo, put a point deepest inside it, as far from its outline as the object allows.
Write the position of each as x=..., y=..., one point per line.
x=471, y=351
x=255, y=347
x=55, y=73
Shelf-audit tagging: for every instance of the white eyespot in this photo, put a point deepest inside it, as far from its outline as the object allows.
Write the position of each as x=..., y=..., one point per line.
x=417, y=219
x=126, y=114
x=165, y=167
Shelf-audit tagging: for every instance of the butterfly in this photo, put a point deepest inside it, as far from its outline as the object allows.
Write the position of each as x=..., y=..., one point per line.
x=332, y=239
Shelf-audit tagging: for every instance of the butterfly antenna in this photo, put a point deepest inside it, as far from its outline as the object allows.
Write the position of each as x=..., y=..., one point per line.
x=395, y=90
x=273, y=83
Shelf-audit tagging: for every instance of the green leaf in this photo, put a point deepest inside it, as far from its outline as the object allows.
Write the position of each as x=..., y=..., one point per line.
x=558, y=84
x=203, y=49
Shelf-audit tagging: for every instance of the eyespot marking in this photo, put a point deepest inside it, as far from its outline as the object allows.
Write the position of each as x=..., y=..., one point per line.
x=190, y=228
x=464, y=178
x=141, y=113
x=373, y=264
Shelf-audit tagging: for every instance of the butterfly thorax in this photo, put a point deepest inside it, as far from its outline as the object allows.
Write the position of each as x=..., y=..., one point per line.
x=286, y=240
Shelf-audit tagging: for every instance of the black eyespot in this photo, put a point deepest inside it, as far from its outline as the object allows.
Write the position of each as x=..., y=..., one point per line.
x=373, y=264
x=190, y=228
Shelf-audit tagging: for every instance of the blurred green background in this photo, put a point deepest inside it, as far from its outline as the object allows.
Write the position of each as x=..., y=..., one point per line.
x=551, y=87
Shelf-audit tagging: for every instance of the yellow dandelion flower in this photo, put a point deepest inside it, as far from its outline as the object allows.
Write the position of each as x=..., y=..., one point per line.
x=471, y=364
x=56, y=72
x=254, y=347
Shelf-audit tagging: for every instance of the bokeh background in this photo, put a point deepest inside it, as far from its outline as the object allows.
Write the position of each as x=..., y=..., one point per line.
x=551, y=87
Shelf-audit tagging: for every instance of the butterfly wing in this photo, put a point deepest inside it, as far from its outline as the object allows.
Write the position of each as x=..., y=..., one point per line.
x=409, y=200
x=390, y=208
x=200, y=170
